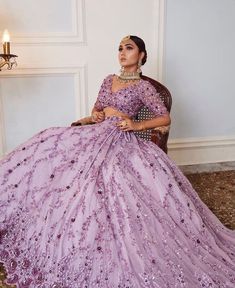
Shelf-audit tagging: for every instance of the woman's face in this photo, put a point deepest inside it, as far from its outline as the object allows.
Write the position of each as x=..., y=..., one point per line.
x=129, y=55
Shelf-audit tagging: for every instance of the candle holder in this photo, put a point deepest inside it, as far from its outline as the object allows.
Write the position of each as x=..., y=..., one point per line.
x=8, y=60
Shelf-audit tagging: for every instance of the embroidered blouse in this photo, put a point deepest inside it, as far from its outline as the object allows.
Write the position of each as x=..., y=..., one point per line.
x=131, y=99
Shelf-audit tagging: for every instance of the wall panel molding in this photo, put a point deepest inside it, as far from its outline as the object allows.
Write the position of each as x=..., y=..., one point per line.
x=80, y=101
x=202, y=150
x=75, y=36
x=2, y=129
x=160, y=30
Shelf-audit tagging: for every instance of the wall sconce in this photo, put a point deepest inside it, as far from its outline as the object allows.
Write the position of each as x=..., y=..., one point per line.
x=7, y=58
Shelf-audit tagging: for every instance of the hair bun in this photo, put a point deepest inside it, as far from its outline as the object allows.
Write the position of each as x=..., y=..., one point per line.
x=140, y=44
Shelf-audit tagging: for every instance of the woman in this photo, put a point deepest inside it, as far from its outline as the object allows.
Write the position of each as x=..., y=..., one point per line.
x=94, y=206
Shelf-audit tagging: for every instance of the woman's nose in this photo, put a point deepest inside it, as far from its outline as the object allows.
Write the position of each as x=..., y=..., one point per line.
x=122, y=53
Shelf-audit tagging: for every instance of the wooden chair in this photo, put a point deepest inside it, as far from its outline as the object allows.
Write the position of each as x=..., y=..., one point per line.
x=158, y=135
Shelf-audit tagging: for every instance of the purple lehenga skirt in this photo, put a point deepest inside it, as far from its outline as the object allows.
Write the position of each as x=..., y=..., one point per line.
x=93, y=206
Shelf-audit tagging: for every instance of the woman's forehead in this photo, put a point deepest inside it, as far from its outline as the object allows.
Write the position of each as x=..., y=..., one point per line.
x=126, y=42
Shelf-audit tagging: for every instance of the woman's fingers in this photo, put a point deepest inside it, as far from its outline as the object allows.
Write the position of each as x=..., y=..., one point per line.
x=76, y=123
x=125, y=125
x=100, y=118
x=100, y=115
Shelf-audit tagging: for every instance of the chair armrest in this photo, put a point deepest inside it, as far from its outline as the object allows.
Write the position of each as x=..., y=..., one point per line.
x=159, y=136
x=162, y=129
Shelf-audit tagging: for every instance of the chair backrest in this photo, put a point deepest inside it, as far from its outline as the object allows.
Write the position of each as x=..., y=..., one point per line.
x=144, y=114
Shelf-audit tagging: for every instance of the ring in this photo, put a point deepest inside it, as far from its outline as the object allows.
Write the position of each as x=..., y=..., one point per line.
x=124, y=123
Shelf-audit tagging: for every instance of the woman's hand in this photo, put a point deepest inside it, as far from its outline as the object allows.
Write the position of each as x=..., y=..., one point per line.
x=128, y=125
x=77, y=123
x=98, y=116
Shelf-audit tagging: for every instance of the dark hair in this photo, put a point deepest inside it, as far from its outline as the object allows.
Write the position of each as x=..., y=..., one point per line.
x=141, y=45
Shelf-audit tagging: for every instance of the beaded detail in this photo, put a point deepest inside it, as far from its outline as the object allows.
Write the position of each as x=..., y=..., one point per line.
x=92, y=206
x=131, y=99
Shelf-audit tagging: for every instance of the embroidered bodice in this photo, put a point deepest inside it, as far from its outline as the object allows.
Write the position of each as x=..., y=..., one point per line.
x=131, y=99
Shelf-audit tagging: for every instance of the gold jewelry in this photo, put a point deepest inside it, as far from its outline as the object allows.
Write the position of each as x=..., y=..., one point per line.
x=124, y=123
x=139, y=66
x=125, y=38
x=125, y=76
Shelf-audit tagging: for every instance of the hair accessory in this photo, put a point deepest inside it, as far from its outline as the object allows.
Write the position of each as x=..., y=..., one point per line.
x=126, y=38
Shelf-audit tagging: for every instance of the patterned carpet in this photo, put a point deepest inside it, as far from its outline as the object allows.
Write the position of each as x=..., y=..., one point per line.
x=216, y=189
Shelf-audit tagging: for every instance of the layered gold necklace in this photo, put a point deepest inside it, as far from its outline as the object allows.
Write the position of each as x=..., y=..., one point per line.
x=126, y=77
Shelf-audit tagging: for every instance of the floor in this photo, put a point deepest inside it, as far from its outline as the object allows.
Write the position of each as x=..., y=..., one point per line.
x=208, y=167
x=217, y=191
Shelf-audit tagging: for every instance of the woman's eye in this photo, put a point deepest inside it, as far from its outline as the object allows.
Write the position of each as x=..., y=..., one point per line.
x=129, y=48
x=120, y=49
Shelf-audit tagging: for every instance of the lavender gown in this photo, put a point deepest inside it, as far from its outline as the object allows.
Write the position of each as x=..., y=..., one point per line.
x=93, y=206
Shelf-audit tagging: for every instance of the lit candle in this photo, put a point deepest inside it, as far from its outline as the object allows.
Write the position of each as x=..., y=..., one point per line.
x=6, y=42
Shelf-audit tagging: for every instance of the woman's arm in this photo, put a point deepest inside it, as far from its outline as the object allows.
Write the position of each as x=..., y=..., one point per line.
x=129, y=125
x=97, y=112
x=83, y=121
x=97, y=115
x=151, y=99
x=164, y=120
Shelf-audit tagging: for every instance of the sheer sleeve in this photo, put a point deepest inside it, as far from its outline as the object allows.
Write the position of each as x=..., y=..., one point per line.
x=99, y=104
x=151, y=99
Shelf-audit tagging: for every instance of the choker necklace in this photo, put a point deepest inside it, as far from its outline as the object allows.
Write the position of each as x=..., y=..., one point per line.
x=128, y=76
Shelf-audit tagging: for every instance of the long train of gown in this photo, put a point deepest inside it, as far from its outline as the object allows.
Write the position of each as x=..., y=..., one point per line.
x=93, y=206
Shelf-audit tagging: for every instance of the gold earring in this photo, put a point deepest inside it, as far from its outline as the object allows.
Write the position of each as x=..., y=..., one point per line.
x=122, y=69
x=139, y=66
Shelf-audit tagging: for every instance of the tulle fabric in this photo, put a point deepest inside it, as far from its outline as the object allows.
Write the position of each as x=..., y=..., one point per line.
x=94, y=206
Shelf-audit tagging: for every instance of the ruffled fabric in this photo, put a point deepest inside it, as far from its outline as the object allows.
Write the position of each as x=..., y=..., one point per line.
x=93, y=206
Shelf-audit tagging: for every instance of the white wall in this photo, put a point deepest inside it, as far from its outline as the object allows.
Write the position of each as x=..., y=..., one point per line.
x=65, y=49
x=74, y=43
x=48, y=88
x=199, y=71
x=108, y=21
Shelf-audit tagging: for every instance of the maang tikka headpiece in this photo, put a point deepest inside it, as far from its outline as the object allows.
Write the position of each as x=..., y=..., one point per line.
x=128, y=76
x=126, y=38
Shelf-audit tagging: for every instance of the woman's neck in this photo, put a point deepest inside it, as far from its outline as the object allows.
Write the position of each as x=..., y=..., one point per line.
x=132, y=69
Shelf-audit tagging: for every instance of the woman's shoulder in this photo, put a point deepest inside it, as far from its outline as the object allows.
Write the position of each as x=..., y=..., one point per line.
x=107, y=80
x=147, y=85
x=109, y=77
